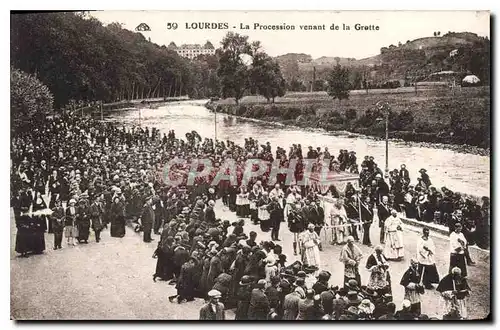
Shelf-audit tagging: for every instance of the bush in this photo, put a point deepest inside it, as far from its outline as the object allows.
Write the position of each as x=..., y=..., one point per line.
x=29, y=97
x=350, y=114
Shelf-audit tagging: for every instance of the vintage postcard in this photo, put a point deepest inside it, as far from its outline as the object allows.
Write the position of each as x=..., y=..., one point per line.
x=250, y=165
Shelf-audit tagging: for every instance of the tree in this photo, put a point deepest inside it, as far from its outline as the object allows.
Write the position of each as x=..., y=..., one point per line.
x=29, y=97
x=233, y=73
x=266, y=77
x=337, y=60
x=338, y=83
x=296, y=85
x=319, y=85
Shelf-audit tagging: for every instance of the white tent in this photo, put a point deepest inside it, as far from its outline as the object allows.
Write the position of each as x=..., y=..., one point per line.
x=471, y=79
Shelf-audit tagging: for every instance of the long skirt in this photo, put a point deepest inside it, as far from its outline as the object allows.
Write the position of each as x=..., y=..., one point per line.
x=458, y=260
x=83, y=231
x=245, y=210
x=394, y=245
x=118, y=227
x=430, y=276
x=23, y=238
x=38, y=243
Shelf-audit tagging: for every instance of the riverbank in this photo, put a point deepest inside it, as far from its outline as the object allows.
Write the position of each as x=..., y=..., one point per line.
x=457, y=119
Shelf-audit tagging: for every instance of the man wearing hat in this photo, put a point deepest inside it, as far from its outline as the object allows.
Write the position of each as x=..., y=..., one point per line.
x=306, y=306
x=187, y=281
x=57, y=218
x=243, y=295
x=147, y=218
x=322, y=283
x=259, y=303
x=213, y=310
x=272, y=293
x=425, y=177
x=291, y=305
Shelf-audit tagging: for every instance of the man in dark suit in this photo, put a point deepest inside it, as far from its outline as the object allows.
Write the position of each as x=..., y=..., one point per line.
x=213, y=310
x=366, y=218
x=383, y=213
x=148, y=218
x=259, y=303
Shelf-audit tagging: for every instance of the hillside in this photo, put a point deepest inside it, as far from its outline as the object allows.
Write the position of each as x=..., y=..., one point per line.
x=410, y=62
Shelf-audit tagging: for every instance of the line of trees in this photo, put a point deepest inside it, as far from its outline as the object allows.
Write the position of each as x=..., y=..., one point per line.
x=80, y=59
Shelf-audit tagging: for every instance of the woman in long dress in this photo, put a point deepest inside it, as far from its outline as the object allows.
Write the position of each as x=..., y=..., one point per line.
x=454, y=291
x=117, y=218
x=39, y=224
x=394, y=237
x=70, y=230
x=23, y=236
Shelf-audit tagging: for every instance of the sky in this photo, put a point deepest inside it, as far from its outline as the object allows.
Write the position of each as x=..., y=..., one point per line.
x=393, y=27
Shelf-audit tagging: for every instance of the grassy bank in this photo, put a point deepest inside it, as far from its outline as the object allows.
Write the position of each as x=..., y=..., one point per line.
x=460, y=116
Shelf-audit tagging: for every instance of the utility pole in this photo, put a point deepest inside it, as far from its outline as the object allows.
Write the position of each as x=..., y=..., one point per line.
x=102, y=115
x=384, y=106
x=387, y=144
x=215, y=123
x=314, y=79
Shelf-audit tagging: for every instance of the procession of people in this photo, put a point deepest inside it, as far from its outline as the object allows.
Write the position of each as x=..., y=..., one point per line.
x=98, y=176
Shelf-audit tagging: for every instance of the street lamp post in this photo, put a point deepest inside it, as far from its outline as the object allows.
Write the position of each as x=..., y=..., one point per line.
x=384, y=106
x=215, y=124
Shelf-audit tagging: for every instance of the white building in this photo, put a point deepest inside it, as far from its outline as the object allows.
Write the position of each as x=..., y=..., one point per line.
x=191, y=51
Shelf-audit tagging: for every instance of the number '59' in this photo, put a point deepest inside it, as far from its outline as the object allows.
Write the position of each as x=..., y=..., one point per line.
x=172, y=26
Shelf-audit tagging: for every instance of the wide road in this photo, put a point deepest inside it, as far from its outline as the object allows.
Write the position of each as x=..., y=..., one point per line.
x=113, y=279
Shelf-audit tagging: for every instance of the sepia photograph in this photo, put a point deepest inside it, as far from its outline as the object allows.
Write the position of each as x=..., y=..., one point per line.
x=250, y=165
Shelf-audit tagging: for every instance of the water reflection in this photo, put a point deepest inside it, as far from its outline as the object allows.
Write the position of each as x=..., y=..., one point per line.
x=461, y=172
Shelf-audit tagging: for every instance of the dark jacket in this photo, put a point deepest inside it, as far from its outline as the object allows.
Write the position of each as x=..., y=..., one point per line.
x=259, y=305
x=207, y=313
x=148, y=215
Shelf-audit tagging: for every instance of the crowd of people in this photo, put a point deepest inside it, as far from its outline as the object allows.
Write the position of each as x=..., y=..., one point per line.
x=95, y=174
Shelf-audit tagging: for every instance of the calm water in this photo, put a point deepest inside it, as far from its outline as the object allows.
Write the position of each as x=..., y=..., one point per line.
x=458, y=171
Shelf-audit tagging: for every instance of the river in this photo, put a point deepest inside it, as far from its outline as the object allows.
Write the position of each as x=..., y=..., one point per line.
x=467, y=173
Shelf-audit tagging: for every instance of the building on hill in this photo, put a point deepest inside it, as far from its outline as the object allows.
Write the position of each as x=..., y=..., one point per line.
x=191, y=51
